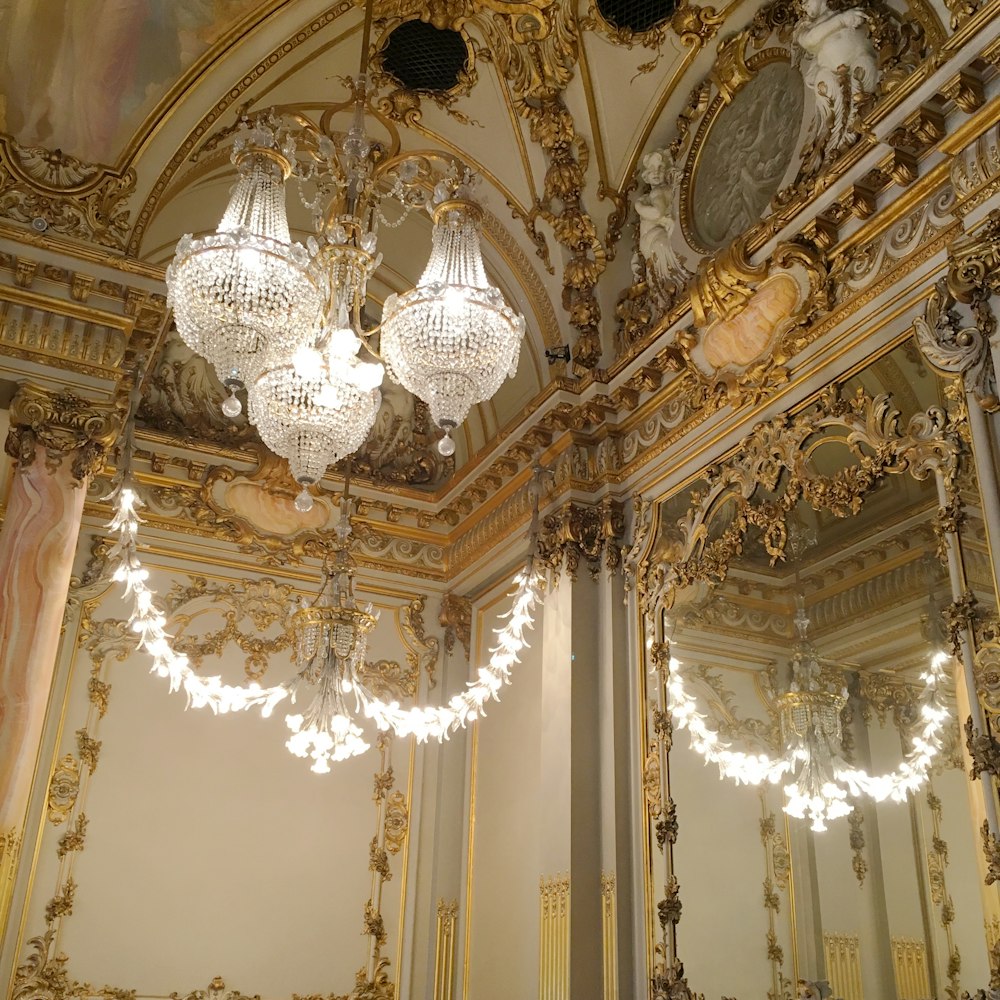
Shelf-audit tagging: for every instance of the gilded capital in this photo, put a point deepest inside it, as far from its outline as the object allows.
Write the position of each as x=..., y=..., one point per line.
x=65, y=425
x=578, y=531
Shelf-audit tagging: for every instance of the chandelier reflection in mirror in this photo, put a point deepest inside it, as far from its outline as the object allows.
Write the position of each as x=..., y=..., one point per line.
x=284, y=321
x=819, y=780
x=329, y=635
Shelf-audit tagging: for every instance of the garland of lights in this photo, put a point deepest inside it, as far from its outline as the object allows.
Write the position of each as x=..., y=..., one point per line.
x=148, y=622
x=830, y=803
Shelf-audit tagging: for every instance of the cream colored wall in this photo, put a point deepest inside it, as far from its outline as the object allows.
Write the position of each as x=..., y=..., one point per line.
x=210, y=850
x=506, y=843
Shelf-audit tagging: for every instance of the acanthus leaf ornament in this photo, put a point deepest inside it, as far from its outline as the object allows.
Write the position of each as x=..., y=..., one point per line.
x=956, y=349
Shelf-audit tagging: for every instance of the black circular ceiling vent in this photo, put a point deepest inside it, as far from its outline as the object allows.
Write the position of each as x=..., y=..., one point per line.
x=419, y=56
x=636, y=15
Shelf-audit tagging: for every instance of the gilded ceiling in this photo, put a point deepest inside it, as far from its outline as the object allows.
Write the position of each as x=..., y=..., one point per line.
x=650, y=211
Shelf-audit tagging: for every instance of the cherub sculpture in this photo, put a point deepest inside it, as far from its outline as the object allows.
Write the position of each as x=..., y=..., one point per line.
x=657, y=211
x=840, y=67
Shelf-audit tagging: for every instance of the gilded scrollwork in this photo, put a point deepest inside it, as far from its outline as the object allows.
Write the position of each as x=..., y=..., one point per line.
x=856, y=837
x=266, y=603
x=957, y=349
x=422, y=650
x=455, y=617
x=777, y=450
x=539, y=60
x=397, y=822
x=77, y=199
x=64, y=425
x=984, y=751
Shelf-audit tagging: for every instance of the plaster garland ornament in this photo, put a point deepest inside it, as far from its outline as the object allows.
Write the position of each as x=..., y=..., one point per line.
x=840, y=67
x=327, y=730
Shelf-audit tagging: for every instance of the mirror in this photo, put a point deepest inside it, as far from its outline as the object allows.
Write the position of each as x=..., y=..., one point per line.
x=804, y=595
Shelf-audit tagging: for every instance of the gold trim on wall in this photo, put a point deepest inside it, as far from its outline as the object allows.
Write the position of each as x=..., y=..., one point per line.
x=444, y=949
x=553, y=938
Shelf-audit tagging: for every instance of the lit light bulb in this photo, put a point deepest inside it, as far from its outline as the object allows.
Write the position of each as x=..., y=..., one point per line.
x=304, y=501
x=231, y=405
x=446, y=446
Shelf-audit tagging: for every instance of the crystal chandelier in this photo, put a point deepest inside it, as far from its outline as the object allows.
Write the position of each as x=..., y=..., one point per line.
x=330, y=637
x=819, y=780
x=284, y=320
x=452, y=340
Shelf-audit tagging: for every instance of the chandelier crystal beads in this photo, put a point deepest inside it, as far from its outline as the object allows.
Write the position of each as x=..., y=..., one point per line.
x=452, y=340
x=285, y=320
x=246, y=290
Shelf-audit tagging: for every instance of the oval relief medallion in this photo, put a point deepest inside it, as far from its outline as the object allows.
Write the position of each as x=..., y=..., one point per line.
x=739, y=164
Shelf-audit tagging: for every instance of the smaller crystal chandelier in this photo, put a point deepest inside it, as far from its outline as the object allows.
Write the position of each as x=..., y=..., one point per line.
x=452, y=340
x=330, y=637
x=820, y=781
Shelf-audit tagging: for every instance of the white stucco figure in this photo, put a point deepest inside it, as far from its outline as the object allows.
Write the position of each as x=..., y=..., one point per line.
x=840, y=66
x=657, y=211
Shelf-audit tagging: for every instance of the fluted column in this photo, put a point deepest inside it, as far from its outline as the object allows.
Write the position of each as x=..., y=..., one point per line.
x=57, y=441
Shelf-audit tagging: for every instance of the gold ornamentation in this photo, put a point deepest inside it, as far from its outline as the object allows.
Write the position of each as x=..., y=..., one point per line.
x=444, y=952
x=77, y=199
x=73, y=839
x=575, y=531
x=397, y=822
x=64, y=787
x=63, y=424
x=455, y=618
x=722, y=285
x=539, y=63
x=975, y=171
x=61, y=904
x=974, y=263
x=953, y=349
x=991, y=849
x=88, y=748
x=857, y=840
x=388, y=679
x=984, y=751
x=264, y=602
x=651, y=780
x=926, y=445
x=960, y=619
x=98, y=692
x=422, y=650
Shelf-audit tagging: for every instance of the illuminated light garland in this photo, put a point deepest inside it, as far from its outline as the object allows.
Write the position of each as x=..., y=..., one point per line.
x=830, y=800
x=148, y=622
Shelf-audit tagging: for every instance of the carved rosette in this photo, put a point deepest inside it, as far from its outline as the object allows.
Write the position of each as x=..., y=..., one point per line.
x=64, y=787
x=64, y=425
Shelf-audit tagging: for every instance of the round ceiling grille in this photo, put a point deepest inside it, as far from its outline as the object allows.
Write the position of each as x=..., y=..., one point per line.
x=419, y=56
x=635, y=15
